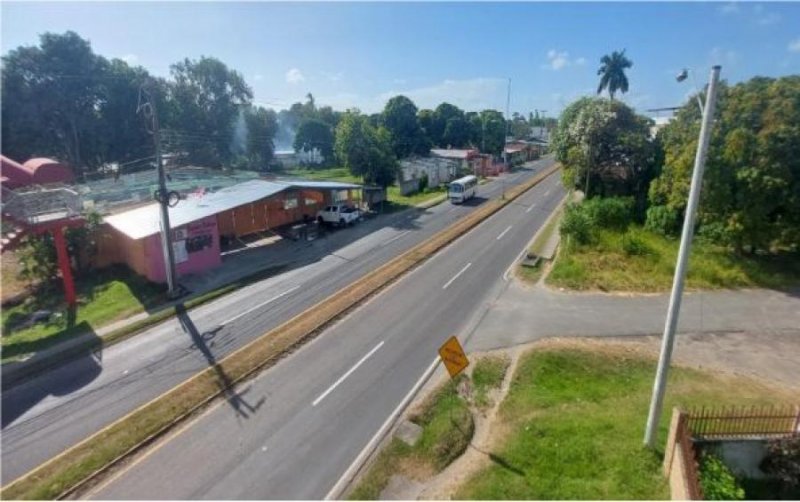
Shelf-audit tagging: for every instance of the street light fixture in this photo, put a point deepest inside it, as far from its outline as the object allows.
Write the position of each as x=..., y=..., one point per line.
x=683, y=75
x=671, y=322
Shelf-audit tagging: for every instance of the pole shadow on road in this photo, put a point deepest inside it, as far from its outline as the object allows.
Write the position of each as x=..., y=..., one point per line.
x=62, y=380
x=235, y=399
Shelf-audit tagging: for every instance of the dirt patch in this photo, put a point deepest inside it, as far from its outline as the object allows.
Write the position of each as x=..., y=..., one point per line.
x=13, y=288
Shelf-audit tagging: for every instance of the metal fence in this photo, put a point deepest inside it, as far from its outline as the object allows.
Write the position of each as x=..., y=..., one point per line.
x=741, y=422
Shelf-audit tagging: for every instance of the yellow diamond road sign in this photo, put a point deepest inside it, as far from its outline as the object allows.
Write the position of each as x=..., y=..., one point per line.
x=453, y=357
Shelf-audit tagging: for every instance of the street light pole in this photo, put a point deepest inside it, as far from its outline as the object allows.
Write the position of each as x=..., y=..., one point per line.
x=505, y=139
x=671, y=323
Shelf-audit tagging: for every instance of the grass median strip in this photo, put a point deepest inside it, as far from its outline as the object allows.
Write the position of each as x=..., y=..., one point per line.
x=68, y=470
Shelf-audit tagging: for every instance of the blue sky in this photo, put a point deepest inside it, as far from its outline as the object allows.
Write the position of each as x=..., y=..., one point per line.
x=360, y=54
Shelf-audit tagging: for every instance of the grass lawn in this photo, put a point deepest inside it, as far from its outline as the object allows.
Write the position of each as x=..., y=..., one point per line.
x=447, y=429
x=103, y=296
x=487, y=375
x=341, y=174
x=649, y=265
x=573, y=424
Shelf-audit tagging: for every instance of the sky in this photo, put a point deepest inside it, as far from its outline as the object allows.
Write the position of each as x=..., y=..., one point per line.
x=361, y=54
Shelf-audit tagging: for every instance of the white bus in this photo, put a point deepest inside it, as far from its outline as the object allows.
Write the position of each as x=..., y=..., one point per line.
x=462, y=189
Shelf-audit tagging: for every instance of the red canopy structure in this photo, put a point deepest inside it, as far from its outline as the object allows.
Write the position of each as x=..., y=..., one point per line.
x=35, y=200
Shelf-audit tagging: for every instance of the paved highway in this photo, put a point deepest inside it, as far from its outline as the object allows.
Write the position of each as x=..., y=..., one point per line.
x=47, y=414
x=291, y=432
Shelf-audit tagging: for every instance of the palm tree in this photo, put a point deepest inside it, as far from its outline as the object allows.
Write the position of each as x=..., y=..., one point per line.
x=613, y=73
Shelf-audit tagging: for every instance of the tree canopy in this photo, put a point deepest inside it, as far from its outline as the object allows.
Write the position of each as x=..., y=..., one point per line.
x=612, y=73
x=400, y=118
x=365, y=150
x=751, y=187
x=315, y=133
x=608, y=142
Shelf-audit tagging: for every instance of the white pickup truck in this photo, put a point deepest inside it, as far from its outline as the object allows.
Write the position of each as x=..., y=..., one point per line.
x=341, y=215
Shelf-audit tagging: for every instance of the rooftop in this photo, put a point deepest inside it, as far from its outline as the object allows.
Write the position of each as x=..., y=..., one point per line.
x=145, y=221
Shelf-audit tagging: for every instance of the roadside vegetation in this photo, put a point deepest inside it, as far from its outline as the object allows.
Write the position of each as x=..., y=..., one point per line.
x=447, y=429
x=487, y=376
x=103, y=296
x=602, y=248
x=748, y=221
x=573, y=421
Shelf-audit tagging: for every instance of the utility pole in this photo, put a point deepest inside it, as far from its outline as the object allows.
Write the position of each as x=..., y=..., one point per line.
x=148, y=108
x=505, y=138
x=683, y=257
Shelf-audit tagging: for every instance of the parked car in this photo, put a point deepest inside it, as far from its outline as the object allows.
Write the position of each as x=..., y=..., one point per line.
x=341, y=215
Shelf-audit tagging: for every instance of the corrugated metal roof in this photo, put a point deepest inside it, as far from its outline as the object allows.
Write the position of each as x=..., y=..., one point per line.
x=144, y=221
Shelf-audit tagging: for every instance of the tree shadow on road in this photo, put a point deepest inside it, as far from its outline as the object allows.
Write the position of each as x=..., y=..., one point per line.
x=235, y=399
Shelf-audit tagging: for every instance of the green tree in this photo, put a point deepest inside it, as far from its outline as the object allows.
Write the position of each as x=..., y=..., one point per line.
x=314, y=133
x=751, y=188
x=492, y=132
x=262, y=126
x=208, y=97
x=457, y=132
x=51, y=94
x=441, y=116
x=400, y=118
x=608, y=142
x=612, y=73
x=365, y=150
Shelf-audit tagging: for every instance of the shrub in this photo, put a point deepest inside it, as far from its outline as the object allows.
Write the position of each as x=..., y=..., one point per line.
x=717, y=480
x=783, y=462
x=633, y=245
x=423, y=182
x=610, y=212
x=576, y=224
x=662, y=220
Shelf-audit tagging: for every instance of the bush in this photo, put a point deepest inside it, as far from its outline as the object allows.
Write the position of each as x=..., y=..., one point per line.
x=423, y=182
x=717, y=480
x=783, y=462
x=662, y=220
x=610, y=212
x=633, y=245
x=576, y=224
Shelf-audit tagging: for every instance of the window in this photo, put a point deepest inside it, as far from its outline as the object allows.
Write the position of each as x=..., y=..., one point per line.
x=290, y=203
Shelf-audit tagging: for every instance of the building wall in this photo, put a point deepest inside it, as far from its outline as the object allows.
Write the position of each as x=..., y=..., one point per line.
x=196, y=247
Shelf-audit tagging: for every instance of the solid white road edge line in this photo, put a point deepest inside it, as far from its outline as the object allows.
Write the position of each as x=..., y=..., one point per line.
x=456, y=276
x=503, y=233
x=351, y=471
x=349, y=372
x=228, y=321
x=401, y=234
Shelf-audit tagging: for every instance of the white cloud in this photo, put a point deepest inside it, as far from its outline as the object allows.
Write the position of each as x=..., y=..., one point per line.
x=469, y=94
x=557, y=60
x=729, y=8
x=333, y=77
x=794, y=45
x=764, y=17
x=720, y=56
x=131, y=59
x=294, y=76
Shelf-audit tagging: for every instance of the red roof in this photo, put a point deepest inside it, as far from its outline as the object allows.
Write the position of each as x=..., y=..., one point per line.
x=39, y=171
x=14, y=174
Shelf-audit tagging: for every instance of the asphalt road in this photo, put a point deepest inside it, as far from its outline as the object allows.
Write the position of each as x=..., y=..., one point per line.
x=49, y=413
x=292, y=432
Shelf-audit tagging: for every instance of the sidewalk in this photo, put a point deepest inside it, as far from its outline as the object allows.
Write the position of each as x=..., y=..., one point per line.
x=523, y=314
